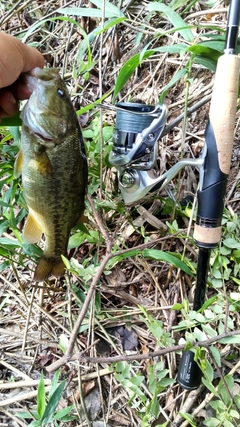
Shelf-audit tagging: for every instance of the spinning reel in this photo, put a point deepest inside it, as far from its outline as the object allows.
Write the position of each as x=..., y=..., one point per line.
x=135, y=148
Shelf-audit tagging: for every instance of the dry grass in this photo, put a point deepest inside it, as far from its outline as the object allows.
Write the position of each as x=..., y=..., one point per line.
x=33, y=318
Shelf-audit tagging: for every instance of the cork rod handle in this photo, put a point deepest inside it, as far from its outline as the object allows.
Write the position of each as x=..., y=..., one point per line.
x=223, y=107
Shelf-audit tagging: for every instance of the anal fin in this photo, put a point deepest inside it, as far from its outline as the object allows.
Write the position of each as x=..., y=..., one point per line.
x=32, y=231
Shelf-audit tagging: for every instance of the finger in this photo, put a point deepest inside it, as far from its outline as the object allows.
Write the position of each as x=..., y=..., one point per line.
x=32, y=58
x=9, y=104
x=20, y=90
x=16, y=58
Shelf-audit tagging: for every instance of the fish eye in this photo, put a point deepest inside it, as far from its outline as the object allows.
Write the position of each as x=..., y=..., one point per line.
x=61, y=93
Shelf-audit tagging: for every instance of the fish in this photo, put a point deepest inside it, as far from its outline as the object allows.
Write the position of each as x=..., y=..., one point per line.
x=53, y=164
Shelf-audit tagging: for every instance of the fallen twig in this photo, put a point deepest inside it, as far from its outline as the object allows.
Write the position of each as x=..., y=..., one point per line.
x=150, y=355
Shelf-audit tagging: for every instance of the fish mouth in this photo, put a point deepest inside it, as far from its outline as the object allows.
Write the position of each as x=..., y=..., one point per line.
x=41, y=82
x=44, y=74
x=38, y=81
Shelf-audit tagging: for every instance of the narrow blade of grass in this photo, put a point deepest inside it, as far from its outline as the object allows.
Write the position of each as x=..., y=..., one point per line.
x=174, y=18
x=41, y=397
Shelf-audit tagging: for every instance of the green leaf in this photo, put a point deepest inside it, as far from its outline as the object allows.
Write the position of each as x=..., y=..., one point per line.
x=204, y=51
x=188, y=346
x=123, y=367
x=42, y=22
x=209, y=302
x=211, y=422
x=165, y=382
x=66, y=262
x=209, y=371
x=52, y=403
x=209, y=63
x=229, y=381
x=210, y=386
x=41, y=397
x=177, y=306
x=233, y=413
x=227, y=423
x=235, y=296
x=63, y=412
x=222, y=389
x=5, y=205
x=210, y=331
x=110, y=8
x=231, y=243
x=213, y=45
x=91, y=236
x=216, y=355
x=128, y=69
x=96, y=13
x=235, y=339
x=54, y=383
x=237, y=400
x=218, y=405
x=137, y=381
x=175, y=48
x=167, y=257
x=63, y=342
x=155, y=407
x=25, y=415
x=236, y=254
x=199, y=335
x=189, y=418
x=36, y=423
x=235, y=280
x=15, y=132
x=4, y=241
x=91, y=106
x=199, y=317
x=174, y=18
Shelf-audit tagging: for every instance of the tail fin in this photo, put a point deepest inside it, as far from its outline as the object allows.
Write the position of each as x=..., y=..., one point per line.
x=48, y=266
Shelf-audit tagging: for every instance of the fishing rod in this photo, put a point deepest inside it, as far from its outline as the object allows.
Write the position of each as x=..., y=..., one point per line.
x=137, y=130
x=219, y=137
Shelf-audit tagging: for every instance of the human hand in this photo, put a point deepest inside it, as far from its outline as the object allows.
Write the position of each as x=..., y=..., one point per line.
x=16, y=58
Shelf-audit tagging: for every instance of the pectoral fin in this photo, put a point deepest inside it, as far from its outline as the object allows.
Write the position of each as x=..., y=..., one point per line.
x=32, y=231
x=43, y=164
x=18, y=164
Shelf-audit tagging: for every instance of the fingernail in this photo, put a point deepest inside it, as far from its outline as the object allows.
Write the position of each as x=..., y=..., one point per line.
x=12, y=100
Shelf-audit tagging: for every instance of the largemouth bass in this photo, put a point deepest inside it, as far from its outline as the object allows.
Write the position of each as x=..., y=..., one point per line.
x=53, y=164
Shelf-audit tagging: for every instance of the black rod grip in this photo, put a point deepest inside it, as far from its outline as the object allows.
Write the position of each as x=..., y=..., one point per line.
x=232, y=26
x=189, y=373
